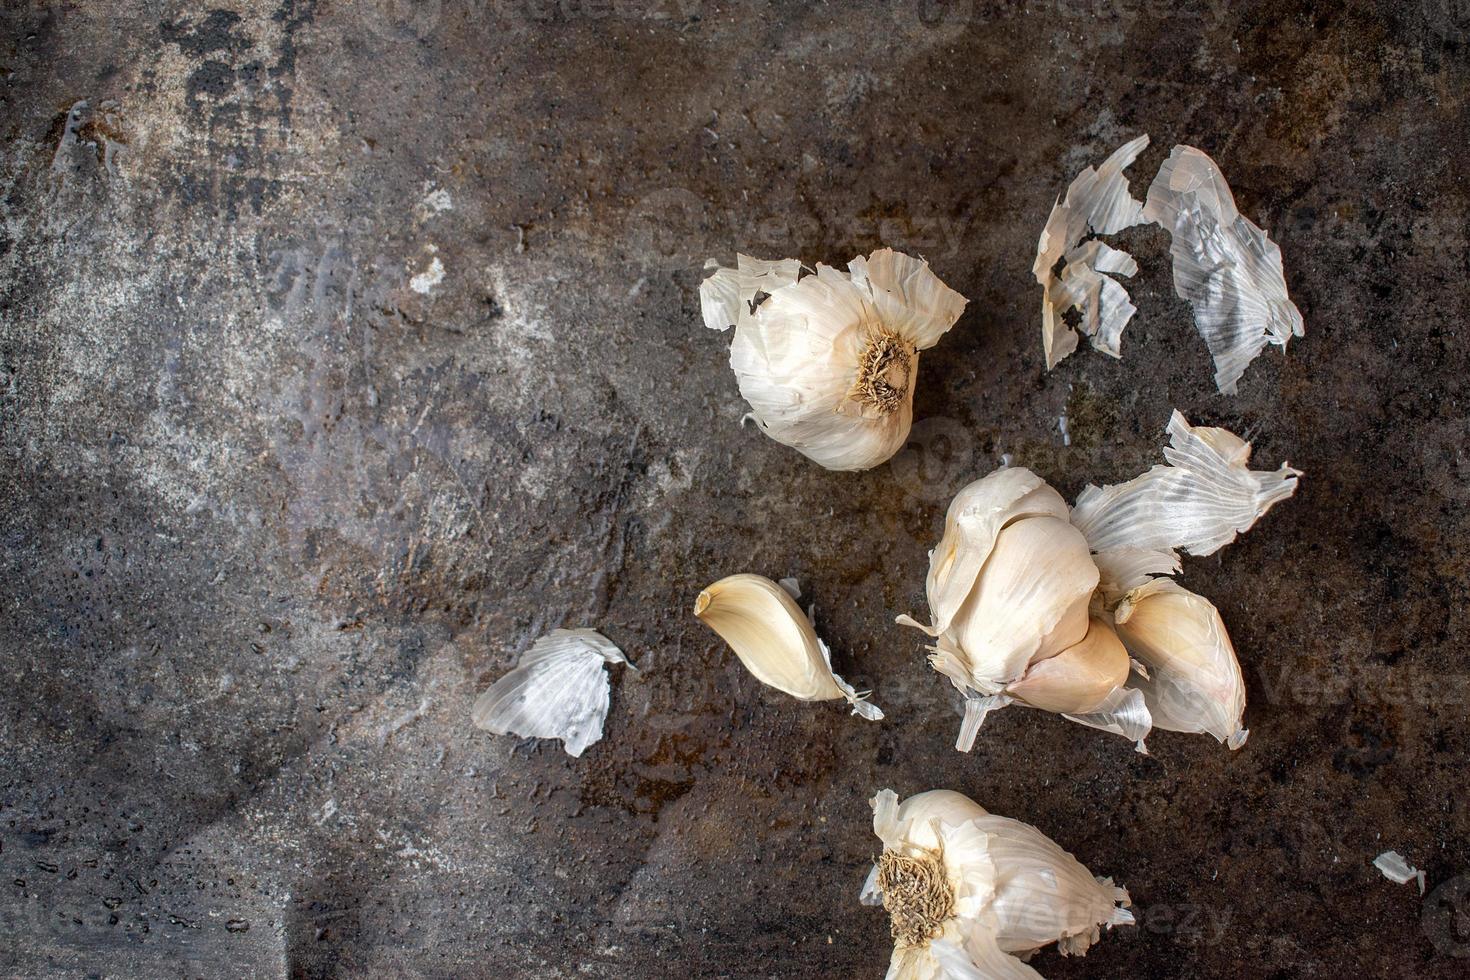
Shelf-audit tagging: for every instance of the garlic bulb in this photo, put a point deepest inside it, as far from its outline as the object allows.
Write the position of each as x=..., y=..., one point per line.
x=956, y=879
x=828, y=362
x=776, y=642
x=1037, y=606
x=558, y=690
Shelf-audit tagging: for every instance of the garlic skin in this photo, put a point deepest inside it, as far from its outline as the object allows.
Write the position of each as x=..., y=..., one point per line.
x=1051, y=609
x=1194, y=683
x=1198, y=503
x=775, y=640
x=1224, y=265
x=558, y=690
x=1097, y=201
x=828, y=362
x=954, y=877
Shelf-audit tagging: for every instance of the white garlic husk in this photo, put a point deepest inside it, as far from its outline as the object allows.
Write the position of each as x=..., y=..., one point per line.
x=775, y=640
x=558, y=690
x=954, y=877
x=828, y=362
x=1037, y=605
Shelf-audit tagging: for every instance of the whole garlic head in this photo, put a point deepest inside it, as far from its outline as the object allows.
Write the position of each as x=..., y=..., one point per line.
x=828, y=362
x=953, y=876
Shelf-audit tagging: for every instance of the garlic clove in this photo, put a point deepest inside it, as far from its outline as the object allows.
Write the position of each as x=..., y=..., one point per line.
x=1194, y=681
x=1080, y=678
x=1029, y=603
x=1044, y=894
x=974, y=519
x=558, y=690
x=775, y=640
x=1224, y=264
x=1199, y=502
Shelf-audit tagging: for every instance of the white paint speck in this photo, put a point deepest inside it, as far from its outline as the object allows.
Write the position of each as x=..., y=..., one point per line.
x=429, y=278
x=438, y=200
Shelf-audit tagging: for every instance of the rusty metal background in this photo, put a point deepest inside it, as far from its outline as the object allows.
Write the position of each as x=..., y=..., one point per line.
x=345, y=348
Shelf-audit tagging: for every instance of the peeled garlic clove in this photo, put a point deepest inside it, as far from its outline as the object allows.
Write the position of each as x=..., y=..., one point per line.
x=1194, y=682
x=828, y=363
x=1224, y=264
x=775, y=640
x=1029, y=603
x=1080, y=678
x=558, y=690
x=952, y=875
x=1199, y=503
x=974, y=519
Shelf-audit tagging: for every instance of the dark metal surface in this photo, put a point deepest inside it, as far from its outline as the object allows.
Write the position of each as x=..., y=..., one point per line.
x=272, y=516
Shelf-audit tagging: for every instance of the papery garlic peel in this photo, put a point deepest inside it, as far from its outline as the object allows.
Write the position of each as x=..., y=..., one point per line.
x=558, y=690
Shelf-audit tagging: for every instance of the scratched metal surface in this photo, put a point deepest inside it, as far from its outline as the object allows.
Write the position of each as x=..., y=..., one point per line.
x=346, y=348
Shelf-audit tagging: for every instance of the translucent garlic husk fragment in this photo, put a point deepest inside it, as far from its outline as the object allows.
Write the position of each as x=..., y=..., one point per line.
x=775, y=640
x=1097, y=202
x=1061, y=611
x=957, y=880
x=558, y=690
x=1224, y=264
x=1198, y=503
x=828, y=362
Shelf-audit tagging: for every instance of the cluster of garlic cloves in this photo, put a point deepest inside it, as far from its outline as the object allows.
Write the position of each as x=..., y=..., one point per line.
x=828, y=361
x=776, y=641
x=966, y=890
x=1070, y=610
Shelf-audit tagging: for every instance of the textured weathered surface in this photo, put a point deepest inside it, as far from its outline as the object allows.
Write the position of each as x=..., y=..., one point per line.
x=272, y=515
